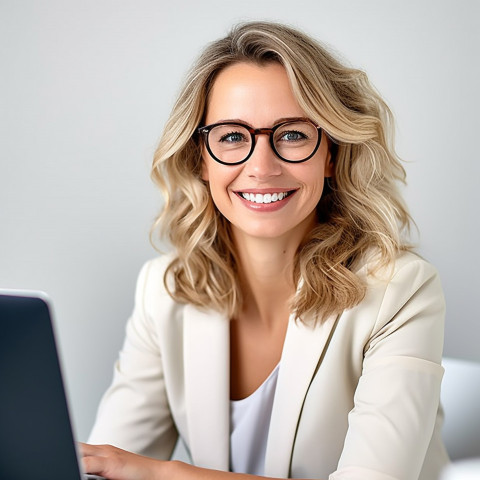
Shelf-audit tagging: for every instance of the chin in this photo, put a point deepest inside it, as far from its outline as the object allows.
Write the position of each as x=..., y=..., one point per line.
x=267, y=233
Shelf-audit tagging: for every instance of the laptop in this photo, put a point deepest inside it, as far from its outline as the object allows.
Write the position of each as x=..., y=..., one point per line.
x=36, y=437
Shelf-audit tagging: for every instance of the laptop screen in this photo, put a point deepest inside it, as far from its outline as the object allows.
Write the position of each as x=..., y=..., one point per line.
x=36, y=440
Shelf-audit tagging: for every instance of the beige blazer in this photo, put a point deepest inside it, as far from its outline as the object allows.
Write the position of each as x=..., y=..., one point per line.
x=357, y=396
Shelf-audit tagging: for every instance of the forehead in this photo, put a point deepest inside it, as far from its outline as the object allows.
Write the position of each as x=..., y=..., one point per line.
x=257, y=94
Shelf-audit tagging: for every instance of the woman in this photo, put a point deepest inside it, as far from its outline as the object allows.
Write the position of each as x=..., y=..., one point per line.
x=291, y=333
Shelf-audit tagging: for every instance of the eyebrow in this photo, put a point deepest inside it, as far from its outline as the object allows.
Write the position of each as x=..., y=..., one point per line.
x=276, y=122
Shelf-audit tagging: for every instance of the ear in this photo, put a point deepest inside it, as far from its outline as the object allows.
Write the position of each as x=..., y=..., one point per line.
x=329, y=169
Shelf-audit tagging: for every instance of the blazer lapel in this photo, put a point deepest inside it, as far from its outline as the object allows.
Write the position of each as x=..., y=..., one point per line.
x=207, y=391
x=301, y=357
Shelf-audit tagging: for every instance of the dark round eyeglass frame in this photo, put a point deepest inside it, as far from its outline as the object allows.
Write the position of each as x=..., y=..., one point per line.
x=259, y=131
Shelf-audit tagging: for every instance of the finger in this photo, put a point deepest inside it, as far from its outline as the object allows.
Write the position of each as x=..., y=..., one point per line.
x=94, y=465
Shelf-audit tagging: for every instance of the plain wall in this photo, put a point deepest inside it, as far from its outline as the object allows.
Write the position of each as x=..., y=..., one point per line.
x=86, y=87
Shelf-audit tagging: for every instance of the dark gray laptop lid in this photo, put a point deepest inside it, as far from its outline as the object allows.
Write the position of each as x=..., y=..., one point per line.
x=36, y=440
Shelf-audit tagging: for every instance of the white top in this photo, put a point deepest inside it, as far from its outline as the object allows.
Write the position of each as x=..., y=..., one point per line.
x=249, y=424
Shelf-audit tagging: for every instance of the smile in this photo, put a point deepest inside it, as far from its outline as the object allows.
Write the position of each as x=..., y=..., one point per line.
x=265, y=198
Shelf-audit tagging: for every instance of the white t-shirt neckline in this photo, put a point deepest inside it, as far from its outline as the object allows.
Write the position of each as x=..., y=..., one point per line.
x=249, y=425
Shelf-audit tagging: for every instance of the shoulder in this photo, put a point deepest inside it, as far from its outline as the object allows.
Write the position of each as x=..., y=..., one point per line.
x=151, y=292
x=403, y=299
x=153, y=271
x=406, y=289
x=368, y=264
x=406, y=274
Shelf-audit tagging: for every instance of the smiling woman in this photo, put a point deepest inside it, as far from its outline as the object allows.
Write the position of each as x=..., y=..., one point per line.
x=290, y=332
x=239, y=188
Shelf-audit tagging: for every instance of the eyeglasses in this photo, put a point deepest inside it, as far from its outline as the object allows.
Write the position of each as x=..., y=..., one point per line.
x=232, y=143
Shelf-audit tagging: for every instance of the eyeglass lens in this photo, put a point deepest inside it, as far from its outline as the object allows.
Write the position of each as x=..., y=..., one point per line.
x=293, y=141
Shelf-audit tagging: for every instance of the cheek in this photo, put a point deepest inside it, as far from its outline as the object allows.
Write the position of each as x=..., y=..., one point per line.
x=218, y=178
x=219, y=195
x=314, y=181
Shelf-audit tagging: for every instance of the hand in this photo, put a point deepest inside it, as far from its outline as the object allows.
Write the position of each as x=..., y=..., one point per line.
x=116, y=464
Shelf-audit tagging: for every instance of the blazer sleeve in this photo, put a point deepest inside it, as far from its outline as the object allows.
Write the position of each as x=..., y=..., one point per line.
x=397, y=397
x=134, y=413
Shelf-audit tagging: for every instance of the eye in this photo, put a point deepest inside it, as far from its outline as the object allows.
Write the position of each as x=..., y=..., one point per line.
x=292, y=136
x=233, y=137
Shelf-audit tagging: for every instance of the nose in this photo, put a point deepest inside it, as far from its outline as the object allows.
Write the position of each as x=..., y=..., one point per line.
x=263, y=162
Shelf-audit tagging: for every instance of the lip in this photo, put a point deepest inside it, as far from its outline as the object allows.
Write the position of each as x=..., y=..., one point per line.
x=263, y=191
x=266, y=207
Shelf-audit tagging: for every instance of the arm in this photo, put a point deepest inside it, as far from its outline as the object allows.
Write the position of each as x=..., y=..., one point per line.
x=115, y=464
x=397, y=397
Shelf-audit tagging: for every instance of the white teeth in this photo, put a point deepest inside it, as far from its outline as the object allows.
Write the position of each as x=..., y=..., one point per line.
x=267, y=198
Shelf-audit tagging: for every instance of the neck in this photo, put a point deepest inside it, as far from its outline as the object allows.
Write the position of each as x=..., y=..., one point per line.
x=266, y=274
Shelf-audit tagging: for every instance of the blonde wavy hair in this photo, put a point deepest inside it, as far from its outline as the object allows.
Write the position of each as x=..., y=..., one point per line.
x=360, y=211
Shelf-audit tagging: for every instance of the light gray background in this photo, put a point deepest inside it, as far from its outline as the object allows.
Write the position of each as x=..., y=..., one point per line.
x=86, y=87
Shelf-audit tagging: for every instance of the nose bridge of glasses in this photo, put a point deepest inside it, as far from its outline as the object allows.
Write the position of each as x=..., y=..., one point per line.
x=263, y=157
x=262, y=131
x=268, y=132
